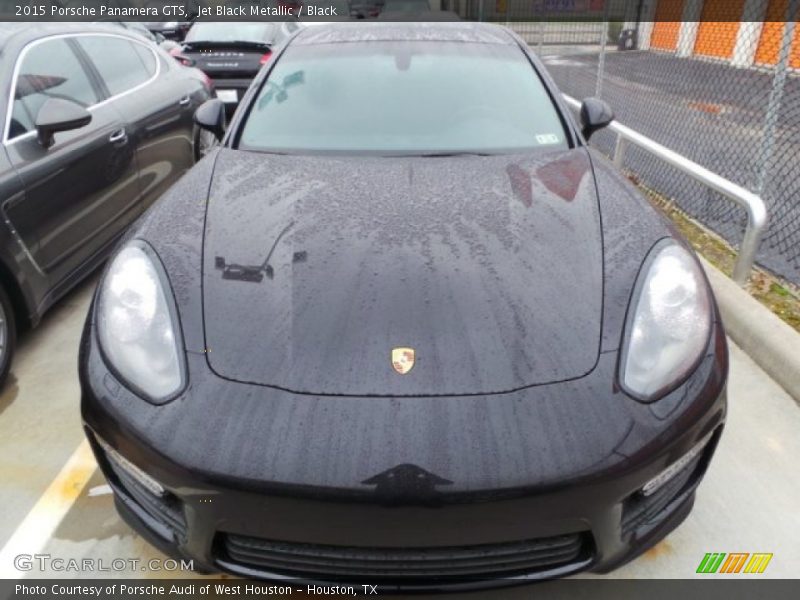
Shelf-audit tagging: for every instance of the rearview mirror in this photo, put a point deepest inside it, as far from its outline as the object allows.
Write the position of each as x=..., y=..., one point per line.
x=210, y=116
x=595, y=114
x=57, y=115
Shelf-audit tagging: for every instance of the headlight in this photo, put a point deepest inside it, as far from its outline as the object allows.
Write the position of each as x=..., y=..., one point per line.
x=137, y=324
x=668, y=323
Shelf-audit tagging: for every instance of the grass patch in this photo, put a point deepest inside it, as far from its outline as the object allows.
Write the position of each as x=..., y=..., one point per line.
x=778, y=295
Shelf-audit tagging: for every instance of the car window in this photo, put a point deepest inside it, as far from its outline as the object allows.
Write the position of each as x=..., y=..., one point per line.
x=403, y=97
x=232, y=32
x=141, y=30
x=48, y=70
x=147, y=57
x=117, y=60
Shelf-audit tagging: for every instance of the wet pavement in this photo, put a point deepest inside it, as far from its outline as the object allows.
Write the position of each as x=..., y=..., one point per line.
x=55, y=502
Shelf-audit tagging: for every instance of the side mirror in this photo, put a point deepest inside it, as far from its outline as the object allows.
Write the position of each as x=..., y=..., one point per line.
x=595, y=114
x=210, y=115
x=59, y=115
x=185, y=60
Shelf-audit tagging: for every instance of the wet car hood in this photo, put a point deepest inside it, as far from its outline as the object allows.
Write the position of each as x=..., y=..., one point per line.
x=315, y=268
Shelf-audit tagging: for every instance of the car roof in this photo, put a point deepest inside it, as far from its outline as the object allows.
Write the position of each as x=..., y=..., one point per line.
x=26, y=31
x=476, y=33
x=7, y=30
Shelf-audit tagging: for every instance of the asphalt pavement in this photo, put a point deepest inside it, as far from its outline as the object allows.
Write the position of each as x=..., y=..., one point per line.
x=55, y=502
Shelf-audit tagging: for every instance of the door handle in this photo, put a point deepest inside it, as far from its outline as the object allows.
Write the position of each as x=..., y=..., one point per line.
x=118, y=136
x=184, y=101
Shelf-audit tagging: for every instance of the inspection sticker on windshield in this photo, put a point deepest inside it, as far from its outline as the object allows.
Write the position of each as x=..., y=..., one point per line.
x=547, y=138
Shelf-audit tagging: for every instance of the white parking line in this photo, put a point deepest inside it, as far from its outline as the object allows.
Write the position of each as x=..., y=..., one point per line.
x=41, y=522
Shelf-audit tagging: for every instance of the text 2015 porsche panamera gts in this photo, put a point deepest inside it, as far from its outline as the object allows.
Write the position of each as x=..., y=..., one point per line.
x=403, y=327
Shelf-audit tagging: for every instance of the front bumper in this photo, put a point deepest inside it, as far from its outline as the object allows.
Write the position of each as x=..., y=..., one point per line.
x=441, y=493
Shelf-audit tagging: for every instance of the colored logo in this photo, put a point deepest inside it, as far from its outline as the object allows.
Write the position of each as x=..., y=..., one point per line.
x=403, y=360
x=736, y=562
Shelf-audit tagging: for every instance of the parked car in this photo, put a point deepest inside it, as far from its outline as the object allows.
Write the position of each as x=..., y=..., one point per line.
x=231, y=53
x=98, y=126
x=171, y=30
x=168, y=46
x=415, y=10
x=138, y=27
x=366, y=9
x=405, y=312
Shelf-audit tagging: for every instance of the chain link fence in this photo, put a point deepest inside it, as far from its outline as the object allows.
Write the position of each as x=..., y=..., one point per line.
x=717, y=81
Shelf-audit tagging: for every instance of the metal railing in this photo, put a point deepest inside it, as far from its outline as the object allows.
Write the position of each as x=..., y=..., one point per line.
x=756, y=209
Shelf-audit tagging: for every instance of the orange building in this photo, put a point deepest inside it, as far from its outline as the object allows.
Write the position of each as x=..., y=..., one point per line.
x=744, y=32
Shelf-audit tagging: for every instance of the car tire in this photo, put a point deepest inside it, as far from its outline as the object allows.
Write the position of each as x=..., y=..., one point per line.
x=203, y=142
x=8, y=336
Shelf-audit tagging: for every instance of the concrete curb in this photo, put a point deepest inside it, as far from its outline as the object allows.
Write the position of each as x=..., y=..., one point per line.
x=771, y=343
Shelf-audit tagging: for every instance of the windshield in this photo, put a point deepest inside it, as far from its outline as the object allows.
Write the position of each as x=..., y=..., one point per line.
x=402, y=98
x=231, y=32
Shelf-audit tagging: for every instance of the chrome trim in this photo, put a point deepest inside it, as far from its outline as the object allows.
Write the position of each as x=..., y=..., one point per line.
x=24, y=51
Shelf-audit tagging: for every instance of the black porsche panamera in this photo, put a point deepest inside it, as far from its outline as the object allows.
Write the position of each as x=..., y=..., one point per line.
x=403, y=327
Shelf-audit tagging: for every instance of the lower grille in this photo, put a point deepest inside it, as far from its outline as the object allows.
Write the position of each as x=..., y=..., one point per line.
x=167, y=510
x=639, y=510
x=490, y=560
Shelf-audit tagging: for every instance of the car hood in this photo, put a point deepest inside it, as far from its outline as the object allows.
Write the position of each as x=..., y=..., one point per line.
x=316, y=268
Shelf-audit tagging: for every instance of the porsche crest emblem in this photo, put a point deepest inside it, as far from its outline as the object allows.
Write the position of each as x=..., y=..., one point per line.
x=402, y=359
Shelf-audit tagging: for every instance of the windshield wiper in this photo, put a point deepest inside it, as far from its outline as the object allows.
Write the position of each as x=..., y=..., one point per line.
x=253, y=273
